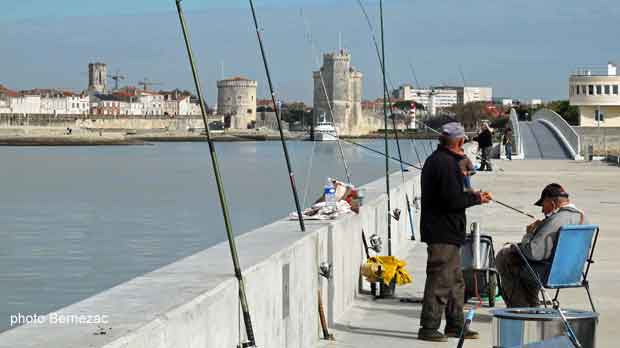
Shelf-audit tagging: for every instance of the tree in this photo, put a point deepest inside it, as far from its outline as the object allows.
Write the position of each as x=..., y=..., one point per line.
x=568, y=112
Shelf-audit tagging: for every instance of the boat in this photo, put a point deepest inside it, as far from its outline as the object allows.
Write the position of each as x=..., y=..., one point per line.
x=325, y=130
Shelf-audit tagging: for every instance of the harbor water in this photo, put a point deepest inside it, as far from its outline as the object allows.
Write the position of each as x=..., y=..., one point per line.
x=75, y=221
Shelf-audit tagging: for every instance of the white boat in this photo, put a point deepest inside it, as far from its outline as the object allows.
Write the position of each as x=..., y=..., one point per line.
x=325, y=130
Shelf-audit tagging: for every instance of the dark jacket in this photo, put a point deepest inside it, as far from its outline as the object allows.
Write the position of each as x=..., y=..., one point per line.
x=442, y=218
x=484, y=139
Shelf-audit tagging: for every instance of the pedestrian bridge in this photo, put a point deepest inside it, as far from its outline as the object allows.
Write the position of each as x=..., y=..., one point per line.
x=547, y=136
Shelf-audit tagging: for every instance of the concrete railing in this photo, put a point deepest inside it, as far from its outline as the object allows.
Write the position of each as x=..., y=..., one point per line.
x=194, y=302
x=565, y=132
x=516, y=132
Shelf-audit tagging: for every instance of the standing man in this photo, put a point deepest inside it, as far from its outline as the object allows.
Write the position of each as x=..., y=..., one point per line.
x=443, y=229
x=485, y=142
x=507, y=141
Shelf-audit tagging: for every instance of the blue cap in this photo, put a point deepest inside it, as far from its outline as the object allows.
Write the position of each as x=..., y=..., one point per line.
x=453, y=130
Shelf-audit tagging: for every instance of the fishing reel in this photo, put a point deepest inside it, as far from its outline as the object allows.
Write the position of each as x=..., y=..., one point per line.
x=326, y=270
x=376, y=243
x=416, y=202
x=396, y=214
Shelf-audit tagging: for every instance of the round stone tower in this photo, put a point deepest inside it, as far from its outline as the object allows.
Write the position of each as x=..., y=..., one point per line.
x=236, y=101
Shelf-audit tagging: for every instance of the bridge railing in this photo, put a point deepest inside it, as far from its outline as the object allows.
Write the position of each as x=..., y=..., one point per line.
x=516, y=133
x=566, y=133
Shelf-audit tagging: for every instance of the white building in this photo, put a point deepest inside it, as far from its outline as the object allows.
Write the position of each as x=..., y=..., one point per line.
x=536, y=102
x=152, y=103
x=65, y=105
x=176, y=103
x=596, y=93
x=470, y=94
x=433, y=100
x=131, y=108
x=4, y=107
x=507, y=102
x=25, y=104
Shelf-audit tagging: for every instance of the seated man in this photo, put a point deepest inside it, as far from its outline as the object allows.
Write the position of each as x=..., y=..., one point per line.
x=519, y=288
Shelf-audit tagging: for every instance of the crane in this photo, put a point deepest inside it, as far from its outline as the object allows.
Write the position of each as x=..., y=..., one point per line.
x=116, y=77
x=146, y=83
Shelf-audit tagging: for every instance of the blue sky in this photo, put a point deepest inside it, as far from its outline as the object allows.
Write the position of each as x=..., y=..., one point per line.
x=523, y=49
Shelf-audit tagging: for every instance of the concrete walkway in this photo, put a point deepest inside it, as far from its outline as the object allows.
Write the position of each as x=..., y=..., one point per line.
x=594, y=187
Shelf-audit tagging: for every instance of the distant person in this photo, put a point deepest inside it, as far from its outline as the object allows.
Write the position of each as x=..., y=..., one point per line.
x=485, y=143
x=507, y=142
x=442, y=222
x=518, y=286
x=466, y=166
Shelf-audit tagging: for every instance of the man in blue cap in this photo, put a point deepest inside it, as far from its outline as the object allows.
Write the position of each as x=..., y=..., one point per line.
x=443, y=225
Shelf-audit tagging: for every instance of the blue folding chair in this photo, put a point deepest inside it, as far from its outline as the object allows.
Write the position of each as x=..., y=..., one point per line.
x=570, y=261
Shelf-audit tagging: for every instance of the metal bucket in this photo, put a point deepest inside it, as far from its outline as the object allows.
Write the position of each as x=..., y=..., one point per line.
x=515, y=327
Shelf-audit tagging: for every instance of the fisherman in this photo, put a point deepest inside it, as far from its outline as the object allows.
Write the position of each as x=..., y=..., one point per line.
x=519, y=288
x=443, y=229
x=485, y=142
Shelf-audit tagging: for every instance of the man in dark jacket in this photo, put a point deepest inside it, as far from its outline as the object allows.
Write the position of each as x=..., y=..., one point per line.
x=443, y=227
x=485, y=142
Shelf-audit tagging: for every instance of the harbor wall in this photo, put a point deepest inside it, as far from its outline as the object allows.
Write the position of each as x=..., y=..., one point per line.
x=194, y=301
x=108, y=123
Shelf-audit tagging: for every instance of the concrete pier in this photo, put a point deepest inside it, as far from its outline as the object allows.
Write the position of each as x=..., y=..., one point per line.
x=593, y=186
x=193, y=302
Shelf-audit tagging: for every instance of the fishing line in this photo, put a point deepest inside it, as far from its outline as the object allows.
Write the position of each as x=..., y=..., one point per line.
x=220, y=186
x=324, y=88
x=291, y=174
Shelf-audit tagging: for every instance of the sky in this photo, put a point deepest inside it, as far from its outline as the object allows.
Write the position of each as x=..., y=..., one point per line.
x=523, y=49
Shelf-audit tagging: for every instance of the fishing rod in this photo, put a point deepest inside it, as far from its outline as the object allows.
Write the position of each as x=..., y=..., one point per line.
x=324, y=88
x=513, y=208
x=381, y=153
x=386, y=101
x=278, y=118
x=387, y=153
x=220, y=186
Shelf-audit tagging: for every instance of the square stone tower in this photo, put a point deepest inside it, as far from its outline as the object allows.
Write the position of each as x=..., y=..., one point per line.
x=343, y=85
x=97, y=78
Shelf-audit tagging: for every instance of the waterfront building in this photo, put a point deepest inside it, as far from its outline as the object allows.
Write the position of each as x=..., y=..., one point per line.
x=25, y=104
x=64, y=103
x=105, y=104
x=236, y=101
x=595, y=92
x=343, y=84
x=176, y=103
x=97, y=78
x=470, y=94
x=152, y=103
x=433, y=99
x=4, y=107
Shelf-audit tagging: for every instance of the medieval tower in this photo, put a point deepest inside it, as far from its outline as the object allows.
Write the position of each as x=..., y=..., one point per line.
x=236, y=101
x=344, y=89
x=97, y=78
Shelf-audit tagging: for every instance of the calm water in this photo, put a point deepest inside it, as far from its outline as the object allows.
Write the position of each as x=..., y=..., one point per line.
x=77, y=220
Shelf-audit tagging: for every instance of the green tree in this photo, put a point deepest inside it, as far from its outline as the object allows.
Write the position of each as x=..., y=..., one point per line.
x=568, y=112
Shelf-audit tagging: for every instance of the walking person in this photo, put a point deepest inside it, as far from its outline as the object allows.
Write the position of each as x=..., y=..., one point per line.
x=443, y=227
x=485, y=143
x=507, y=142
